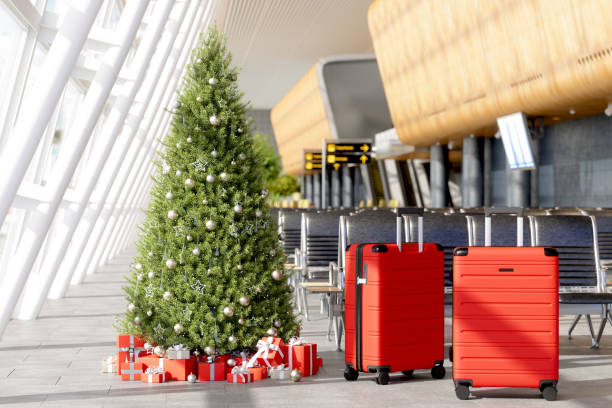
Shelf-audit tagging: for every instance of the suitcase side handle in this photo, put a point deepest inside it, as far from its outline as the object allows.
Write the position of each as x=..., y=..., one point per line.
x=398, y=233
x=519, y=211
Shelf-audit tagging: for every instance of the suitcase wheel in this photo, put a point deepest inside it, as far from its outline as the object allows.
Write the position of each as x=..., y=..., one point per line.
x=549, y=393
x=382, y=378
x=462, y=391
x=438, y=372
x=408, y=373
x=350, y=374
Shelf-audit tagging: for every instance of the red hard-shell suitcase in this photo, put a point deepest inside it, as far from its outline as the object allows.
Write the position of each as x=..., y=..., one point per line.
x=505, y=316
x=394, y=307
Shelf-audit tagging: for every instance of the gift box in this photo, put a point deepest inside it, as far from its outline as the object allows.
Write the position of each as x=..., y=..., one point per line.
x=177, y=352
x=212, y=371
x=109, y=365
x=131, y=371
x=129, y=348
x=280, y=372
x=153, y=375
x=258, y=373
x=271, y=352
x=176, y=370
x=303, y=356
x=240, y=375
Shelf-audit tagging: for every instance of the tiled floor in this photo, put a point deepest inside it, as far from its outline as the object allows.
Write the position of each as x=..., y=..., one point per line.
x=56, y=359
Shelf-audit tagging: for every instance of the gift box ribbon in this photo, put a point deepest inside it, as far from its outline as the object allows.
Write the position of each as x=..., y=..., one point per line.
x=178, y=347
x=241, y=371
x=309, y=346
x=264, y=348
x=131, y=371
x=212, y=370
x=151, y=371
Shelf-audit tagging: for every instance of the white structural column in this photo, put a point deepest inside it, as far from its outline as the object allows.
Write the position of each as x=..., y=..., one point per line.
x=79, y=136
x=110, y=131
x=99, y=239
x=66, y=270
x=41, y=102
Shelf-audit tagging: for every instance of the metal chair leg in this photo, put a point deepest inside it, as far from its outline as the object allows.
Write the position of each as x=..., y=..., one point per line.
x=591, y=330
x=305, y=304
x=330, y=322
x=574, y=323
x=339, y=325
x=602, y=326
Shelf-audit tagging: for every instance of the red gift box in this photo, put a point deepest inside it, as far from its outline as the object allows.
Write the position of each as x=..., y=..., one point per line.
x=131, y=371
x=258, y=373
x=127, y=343
x=303, y=357
x=176, y=370
x=271, y=351
x=214, y=371
x=240, y=375
x=153, y=375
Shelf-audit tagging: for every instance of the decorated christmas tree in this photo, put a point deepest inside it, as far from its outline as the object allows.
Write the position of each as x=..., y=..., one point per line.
x=209, y=269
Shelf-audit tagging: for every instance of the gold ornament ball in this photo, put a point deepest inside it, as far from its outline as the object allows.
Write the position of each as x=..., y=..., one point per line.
x=173, y=215
x=189, y=238
x=209, y=350
x=277, y=275
x=241, y=321
x=228, y=311
x=170, y=263
x=240, y=267
x=271, y=331
x=211, y=225
x=214, y=120
x=296, y=375
x=205, y=201
x=244, y=300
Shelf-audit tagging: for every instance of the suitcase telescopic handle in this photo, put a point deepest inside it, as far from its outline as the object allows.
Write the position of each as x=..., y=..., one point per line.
x=405, y=211
x=518, y=211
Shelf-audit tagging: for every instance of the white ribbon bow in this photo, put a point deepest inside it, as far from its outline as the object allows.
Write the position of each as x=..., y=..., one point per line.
x=154, y=370
x=179, y=347
x=297, y=341
x=264, y=348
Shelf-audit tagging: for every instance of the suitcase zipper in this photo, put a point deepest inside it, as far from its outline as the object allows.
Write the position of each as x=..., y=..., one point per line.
x=358, y=307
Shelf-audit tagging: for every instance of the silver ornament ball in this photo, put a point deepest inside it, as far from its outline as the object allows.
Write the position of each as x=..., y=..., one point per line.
x=231, y=339
x=189, y=238
x=199, y=99
x=296, y=375
x=196, y=251
x=214, y=120
x=242, y=156
x=271, y=331
x=131, y=307
x=205, y=201
x=189, y=140
x=209, y=350
x=170, y=263
x=214, y=153
x=159, y=351
x=241, y=321
x=211, y=225
x=212, y=81
x=258, y=213
x=148, y=346
x=189, y=183
x=223, y=176
x=264, y=193
x=209, y=271
x=231, y=362
x=272, y=252
x=240, y=267
x=210, y=178
x=277, y=323
x=150, y=253
x=167, y=295
x=137, y=321
x=139, y=277
x=179, y=173
x=277, y=275
x=237, y=208
x=178, y=328
x=173, y=215
x=149, y=313
x=138, y=266
x=244, y=300
x=228, y=311
x=233, y=162
x=191, y=378
x=199, y=60
x=151, y=275
x=239, y=130
x=169, y=195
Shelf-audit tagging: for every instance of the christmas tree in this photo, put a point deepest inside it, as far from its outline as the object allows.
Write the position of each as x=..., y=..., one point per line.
x=208, y=273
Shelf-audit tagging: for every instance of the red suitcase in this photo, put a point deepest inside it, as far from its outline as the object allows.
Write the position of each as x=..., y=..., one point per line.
x=505, y=315
x=394, y=307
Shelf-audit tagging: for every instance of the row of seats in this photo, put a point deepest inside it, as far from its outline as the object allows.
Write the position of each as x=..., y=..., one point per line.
x=583, y=239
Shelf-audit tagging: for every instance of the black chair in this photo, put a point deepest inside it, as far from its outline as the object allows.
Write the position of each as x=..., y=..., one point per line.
x=290, y=221
x=581, y=282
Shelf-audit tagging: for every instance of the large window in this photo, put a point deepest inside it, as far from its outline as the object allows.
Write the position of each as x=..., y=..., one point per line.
x=12, y=37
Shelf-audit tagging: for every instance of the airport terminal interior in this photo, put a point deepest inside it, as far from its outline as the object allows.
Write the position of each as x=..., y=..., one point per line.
x=305, y=203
